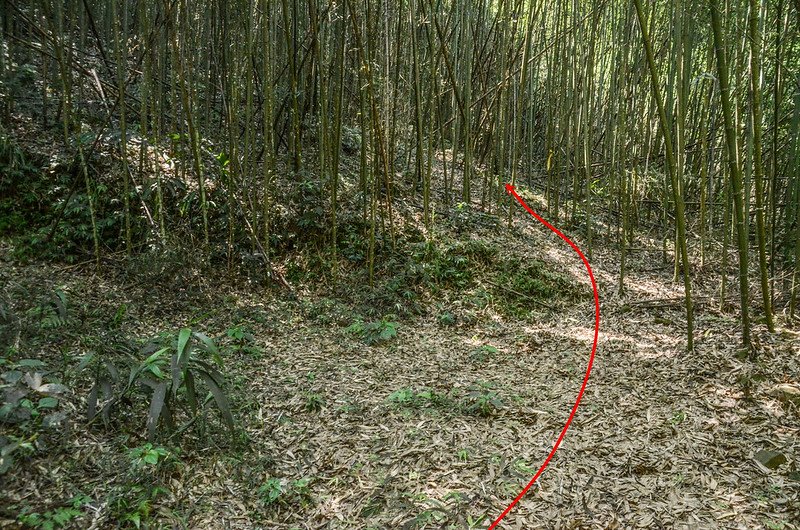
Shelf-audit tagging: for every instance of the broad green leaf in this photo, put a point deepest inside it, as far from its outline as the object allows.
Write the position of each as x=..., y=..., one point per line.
x=47, y=403
x=53, y=419
x=175, y=368
x=210, y=347
x=12, y=377
x=108, y=394
x=223, y=159
x=153, y=358
x=30, y=363
x=61, y=303
x=156, y=371
x=183, y=339
x=112, y=371
x=157, y=403
x=211, y=370
x=191, y=394
x=219, y=397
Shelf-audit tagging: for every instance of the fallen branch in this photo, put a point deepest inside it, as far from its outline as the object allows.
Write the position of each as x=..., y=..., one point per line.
x=665, y=302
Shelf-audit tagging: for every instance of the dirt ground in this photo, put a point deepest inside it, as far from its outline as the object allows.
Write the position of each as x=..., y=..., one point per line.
x=372, y=437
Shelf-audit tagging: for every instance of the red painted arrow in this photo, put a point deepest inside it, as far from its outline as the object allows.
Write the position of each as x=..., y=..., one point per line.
x=510, y=189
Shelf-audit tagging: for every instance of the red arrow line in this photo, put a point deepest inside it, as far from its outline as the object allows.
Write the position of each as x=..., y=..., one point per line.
x=510, y=189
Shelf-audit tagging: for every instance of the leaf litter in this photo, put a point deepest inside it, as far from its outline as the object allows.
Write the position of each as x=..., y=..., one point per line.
x=663, y=439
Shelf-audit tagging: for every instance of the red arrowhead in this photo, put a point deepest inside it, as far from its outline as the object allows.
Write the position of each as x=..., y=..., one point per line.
x=510, y=188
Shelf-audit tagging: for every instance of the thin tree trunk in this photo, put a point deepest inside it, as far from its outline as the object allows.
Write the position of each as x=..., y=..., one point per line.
x=734, y=168
x=671, y=168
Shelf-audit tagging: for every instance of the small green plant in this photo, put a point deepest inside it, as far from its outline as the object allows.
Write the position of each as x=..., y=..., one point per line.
x=483, y=354
x=52, y=312
x=403, y=397
x=482, y=400
x=148, y=455
x=276, y=491
x=30, y=399
x=314, y=402
x=12, y=448
x=58, y=518
x=119, y=316
x=463, y=455
x=242, y=340
x=376, y=332
x=301, y=488
x=433, y=516
x=456, y=497
x=475, y=522
x=43, y=404
x=522, y=286
x=523, y=467
x=350, y=408
x=327, y=311
x=446, y=318
x=443, y=266
x=170, y=377
x=132, y=504
x=410, y=398
x=678, y=418
x=271, y=491
x=351, y=139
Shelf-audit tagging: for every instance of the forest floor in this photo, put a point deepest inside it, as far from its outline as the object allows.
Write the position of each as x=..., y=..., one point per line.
x=439, y=427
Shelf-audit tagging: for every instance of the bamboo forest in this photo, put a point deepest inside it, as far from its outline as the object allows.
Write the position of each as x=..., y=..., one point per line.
x=400, y=264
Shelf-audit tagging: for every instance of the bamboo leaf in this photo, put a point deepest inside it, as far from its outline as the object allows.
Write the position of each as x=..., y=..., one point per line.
x=47, y=403
x=91, y=402
x=153, y=358
x=219, y=398
x=166, y=414
x=210, y=347
x=60, y=301
x=191, y=394
x=156, y=405
x=112, y=371
x=183, y=340
x=175, y=368
x=211, y=370
x=156, y=371
x=108, y=394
